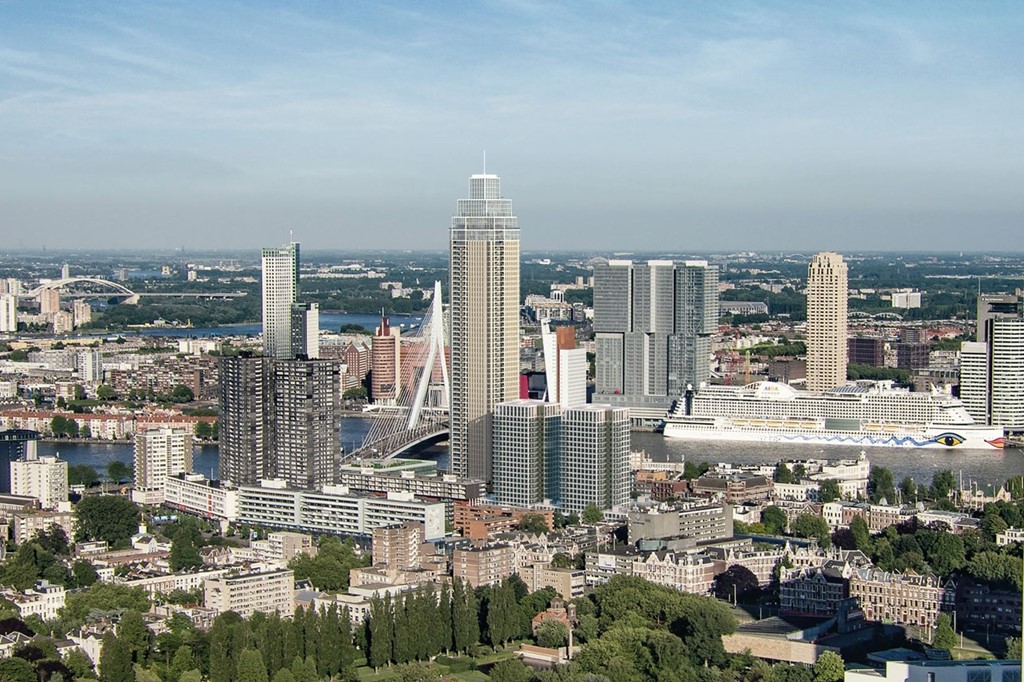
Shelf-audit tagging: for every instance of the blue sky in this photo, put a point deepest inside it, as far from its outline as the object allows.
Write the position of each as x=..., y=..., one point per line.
x=617, y=126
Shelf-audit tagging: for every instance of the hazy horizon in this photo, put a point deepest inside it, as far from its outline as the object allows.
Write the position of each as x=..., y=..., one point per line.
x=616, y=126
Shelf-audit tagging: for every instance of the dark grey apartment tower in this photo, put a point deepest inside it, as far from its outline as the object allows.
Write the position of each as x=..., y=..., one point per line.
x=246, y=419
x=15, y=444
x=654, y=324
x=307, y=422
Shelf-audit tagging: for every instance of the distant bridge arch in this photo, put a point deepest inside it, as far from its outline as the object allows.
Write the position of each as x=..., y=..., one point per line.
x=113, y=288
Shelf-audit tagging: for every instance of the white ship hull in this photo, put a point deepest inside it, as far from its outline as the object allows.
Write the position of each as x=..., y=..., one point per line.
x=966, y=437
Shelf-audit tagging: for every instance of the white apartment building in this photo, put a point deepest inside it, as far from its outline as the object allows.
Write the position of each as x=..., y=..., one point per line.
x=26, y=524
x=282, y=547
x=249, y=593
x=8, y=313
x=196, y=494
x=335, y=510
x=169, y=582
x=44, y=478
x=90, y=365
x=159, y=453
x=1010, y=536
x=44, y=600
x=938, y=671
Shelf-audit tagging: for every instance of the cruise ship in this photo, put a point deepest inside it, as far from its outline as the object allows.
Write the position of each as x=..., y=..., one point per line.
x=862, y=414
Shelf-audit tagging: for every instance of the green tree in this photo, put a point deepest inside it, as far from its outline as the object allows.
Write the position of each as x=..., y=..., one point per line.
x=185, y=546
x=283, y=675
x=106, y=517
x=82, y=474
x=828, y=490
x=774, y=520
x=54, y=540
x=880, y=485
x=736, y=583
x=943, y=484
x=417, y=672
x=132, y=631
x=118, y=471
x=783, y=473
x=533, y=523
x=182, y=394
x=204, y=430
x=502, y=614
x=908, y=490
x=829, y=667
x=115, y=660
x=465, y=626
x=945, y=637
x=251, y=667
x=592, y=514
x=17, y=670
x=510, y=670
x=182, y=662
x=552, y=634
x=106, y=392
x=103, y=597
x=79, y=664
x=381, y=631
x=1013, y=648
x=812, y=526
x=329, y=569
x=861, y=534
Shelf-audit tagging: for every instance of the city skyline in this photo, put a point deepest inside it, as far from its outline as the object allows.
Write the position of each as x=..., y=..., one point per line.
x=724, y=127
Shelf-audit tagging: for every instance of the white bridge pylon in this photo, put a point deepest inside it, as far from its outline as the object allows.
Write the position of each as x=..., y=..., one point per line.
x=419, y=406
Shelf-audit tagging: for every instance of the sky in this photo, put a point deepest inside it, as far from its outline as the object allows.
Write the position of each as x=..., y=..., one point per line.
x=618, y=126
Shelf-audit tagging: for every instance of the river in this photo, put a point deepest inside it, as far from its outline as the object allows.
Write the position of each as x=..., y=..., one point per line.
x=328, y=322
x=981, y=466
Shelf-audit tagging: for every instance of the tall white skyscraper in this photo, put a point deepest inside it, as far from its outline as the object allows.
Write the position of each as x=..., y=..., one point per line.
x=484, y=290
x=159, y=452
x=280, y=291
x=827, y=294
x=44, y=478
x=8, y=313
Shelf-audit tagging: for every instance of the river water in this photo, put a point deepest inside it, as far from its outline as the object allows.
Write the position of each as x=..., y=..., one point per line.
x=980, y=466
x=330, y=322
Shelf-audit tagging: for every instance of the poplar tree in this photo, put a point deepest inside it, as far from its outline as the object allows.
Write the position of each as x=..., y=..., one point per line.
x=442, y=625
x=273, y=644
x=381, y=631
x=251, y=667
x=465, y=626
x=115, y=660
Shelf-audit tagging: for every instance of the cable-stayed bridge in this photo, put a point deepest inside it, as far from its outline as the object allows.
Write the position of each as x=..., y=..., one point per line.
x=418, y=414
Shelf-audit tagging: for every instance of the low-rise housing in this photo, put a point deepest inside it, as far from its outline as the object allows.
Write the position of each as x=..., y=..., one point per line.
x=901, y=598
x=696, y=520
x=43, y=600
